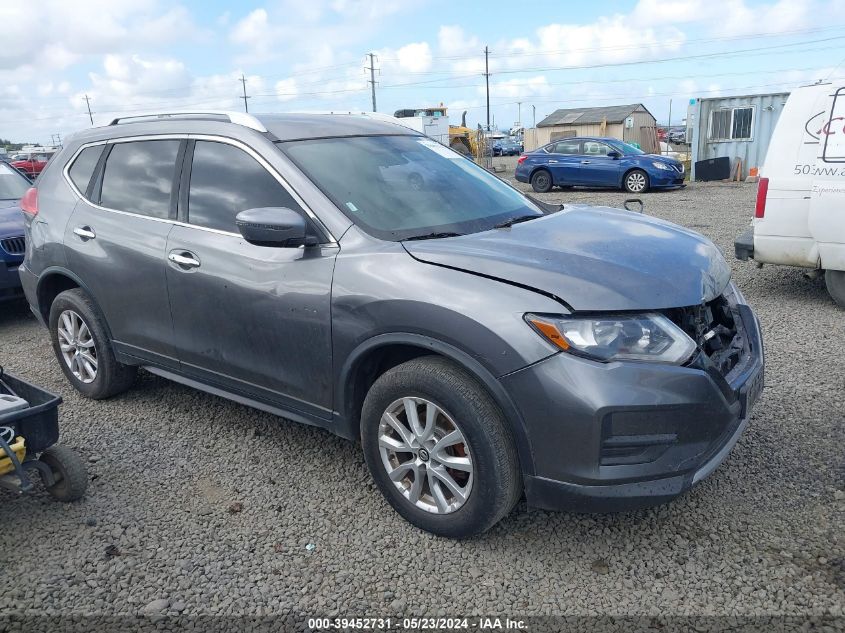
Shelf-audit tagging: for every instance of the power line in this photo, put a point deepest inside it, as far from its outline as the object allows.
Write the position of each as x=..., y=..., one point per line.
x=88, y=103
x=245, y=97
x=487, y=82
x=372, y=82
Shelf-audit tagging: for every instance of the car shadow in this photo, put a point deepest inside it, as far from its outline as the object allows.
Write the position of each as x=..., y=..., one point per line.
x=13, y=311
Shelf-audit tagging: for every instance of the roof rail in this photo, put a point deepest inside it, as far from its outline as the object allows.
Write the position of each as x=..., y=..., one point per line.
x=380, y=116
x=238, y=118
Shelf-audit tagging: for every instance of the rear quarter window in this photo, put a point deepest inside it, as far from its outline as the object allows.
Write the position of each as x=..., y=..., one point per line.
x=83, y=166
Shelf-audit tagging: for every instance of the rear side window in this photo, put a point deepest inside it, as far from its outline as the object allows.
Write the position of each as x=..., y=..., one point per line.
x=82, y=169
x=138, y=177
x=566, y=147
x=225, y=180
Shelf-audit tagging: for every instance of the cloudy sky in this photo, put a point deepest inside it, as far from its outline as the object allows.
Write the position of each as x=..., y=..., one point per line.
x=141, y=55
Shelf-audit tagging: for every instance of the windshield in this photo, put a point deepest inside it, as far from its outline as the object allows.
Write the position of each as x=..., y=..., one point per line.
x=400, y=187
x=12, y=184
x=626, y=149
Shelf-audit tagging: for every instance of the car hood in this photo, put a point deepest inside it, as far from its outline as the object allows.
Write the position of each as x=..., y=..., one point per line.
x=592, y=259
x=11, y=218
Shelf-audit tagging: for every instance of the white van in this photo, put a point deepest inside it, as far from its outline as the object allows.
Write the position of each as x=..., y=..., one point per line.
x=799, y=219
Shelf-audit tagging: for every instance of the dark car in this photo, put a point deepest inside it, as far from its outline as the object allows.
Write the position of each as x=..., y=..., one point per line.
x=12, y=188
x=507, y=147
x=597, y=162
x=480, y=345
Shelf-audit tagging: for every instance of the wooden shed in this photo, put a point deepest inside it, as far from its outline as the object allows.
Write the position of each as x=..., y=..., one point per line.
x=631, y=123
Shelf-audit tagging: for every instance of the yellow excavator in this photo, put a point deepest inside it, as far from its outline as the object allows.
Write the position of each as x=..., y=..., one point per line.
x=462, y=139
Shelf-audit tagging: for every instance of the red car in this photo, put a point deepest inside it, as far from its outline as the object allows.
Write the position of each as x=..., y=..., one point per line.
x=31, y=165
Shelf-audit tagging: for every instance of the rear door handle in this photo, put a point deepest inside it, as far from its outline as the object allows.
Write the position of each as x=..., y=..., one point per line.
x=552, y=161
x=85, y=232
x=184, y=259
x=586, y=162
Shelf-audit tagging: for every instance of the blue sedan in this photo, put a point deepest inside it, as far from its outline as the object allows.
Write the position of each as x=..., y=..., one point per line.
x=597, y=162
x=12, y=187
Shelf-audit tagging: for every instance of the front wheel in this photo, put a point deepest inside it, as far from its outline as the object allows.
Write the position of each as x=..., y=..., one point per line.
x=835, y=282
x=636, y=181
x=541, y=181
x=439, y=449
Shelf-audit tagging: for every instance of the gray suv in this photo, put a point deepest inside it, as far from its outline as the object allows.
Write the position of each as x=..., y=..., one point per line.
x=344, y=271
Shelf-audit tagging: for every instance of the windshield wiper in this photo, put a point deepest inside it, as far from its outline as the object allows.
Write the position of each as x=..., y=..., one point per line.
x=430, y=236
x=516, y=220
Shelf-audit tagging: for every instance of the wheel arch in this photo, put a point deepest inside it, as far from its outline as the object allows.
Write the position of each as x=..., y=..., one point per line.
x=635, y=168
x=55, y=280
x=380, y=353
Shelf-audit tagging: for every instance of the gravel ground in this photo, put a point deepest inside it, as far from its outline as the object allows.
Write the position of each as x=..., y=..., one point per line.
x=201, y=506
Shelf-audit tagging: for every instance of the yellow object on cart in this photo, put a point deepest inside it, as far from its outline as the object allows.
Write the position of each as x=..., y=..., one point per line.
x=19, y=448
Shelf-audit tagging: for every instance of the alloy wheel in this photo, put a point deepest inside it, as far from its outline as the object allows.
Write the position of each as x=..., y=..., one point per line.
x=77, y=346
x=426, y=455
x=636, y=182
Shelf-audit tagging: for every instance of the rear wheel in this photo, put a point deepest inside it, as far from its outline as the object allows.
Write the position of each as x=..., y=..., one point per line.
x=438, y=448
x=541, y=181
x=83, y=348
x=835, y=282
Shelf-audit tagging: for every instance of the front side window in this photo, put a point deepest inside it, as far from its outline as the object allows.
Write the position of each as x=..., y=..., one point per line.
x=81, y=170
x=401, y=187
x=626, y=149
x=594, y=148
x=225, y=180
x=138, y=177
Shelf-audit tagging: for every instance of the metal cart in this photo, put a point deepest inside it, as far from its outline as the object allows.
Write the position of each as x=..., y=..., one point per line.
x=29, y=430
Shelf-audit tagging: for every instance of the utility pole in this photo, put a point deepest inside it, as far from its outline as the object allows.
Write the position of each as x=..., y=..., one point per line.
x=372, y=82
x=245, y=97
x=519, y=115
x=487, y=81
x=534, y=110
x=88, y=103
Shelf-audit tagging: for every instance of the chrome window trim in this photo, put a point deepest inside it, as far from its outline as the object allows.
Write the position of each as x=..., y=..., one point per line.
x=194, y=137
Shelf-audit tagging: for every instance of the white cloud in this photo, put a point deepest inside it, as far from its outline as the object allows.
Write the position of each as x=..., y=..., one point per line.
x=286, y=89
x=415, y=57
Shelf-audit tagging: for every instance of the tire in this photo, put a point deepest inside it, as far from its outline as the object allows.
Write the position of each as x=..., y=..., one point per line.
x=461, y=148
x=110, y=377
x=69, y=470
x=493, y=484
x=835, y=282
x=541, y=181
x=635, y=181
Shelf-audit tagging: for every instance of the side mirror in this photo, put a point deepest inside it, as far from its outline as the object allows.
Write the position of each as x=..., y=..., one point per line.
x=274, y=226
x=614, y=155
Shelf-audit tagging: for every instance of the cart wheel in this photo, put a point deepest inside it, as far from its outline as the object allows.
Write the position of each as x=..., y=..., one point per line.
x=69, y=471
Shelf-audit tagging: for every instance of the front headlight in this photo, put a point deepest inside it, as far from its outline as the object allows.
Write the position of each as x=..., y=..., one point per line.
x=648, y=337
x=659, y=165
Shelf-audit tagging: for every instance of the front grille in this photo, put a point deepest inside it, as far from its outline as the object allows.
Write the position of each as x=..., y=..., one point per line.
x=13, y=245
x=679, y=168
x=714, y=327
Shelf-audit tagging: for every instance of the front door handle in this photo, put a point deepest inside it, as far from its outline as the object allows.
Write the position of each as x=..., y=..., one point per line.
x=586, y=162
x=184, y=259
x=85, y=232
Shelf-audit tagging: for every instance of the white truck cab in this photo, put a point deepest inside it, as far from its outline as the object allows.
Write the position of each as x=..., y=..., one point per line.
x=799, y=219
